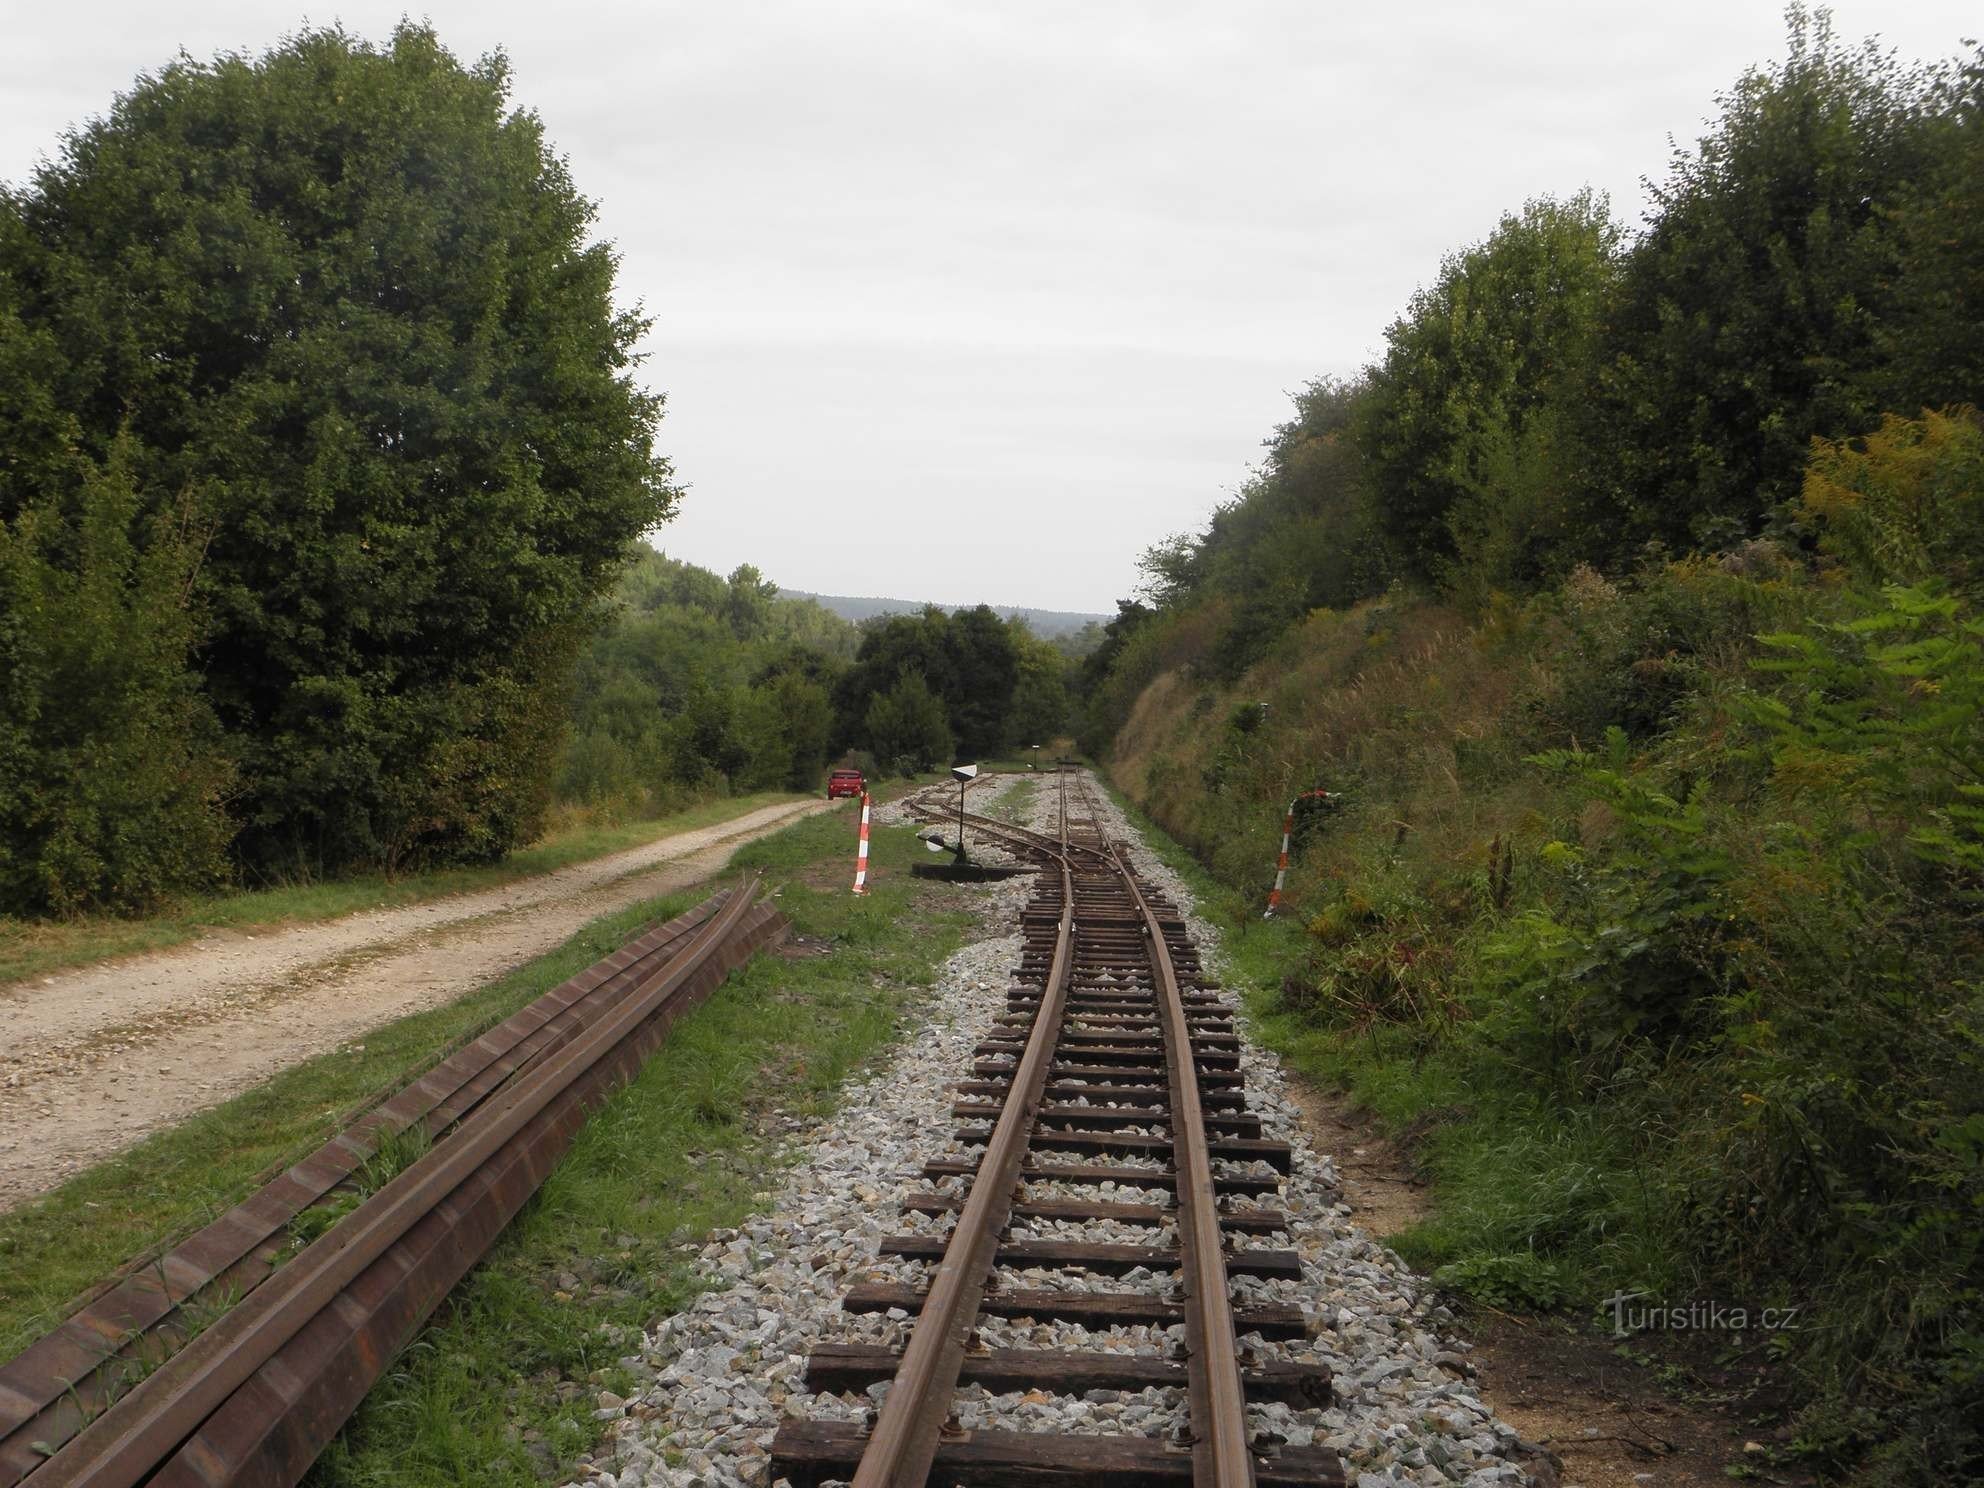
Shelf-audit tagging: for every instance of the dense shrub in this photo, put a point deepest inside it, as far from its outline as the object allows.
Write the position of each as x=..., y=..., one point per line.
x=1659, y=897
x=1461, y=424
x=1749, y=313
x=906, y=727
x=112, y=777
x=970, y=660
x=1907, y=502
x=1653, y=906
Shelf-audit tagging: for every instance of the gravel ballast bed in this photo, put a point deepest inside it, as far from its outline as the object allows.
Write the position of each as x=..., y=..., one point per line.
x=729, y=1368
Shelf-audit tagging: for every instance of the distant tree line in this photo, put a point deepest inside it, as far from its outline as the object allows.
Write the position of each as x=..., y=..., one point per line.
x=699, y=683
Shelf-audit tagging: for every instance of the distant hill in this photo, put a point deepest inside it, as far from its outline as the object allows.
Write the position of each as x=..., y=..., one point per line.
x=1045, y=623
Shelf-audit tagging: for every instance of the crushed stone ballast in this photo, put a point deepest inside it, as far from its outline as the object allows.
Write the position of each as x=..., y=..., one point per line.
x=855, y=1228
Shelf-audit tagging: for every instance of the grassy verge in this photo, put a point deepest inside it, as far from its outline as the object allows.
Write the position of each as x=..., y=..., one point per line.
x=501, y=1388
x=1501, y=1169
x=177, y=1180
x=36, y=948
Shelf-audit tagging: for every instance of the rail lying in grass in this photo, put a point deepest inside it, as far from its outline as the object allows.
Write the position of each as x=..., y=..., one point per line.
x=236, y=1356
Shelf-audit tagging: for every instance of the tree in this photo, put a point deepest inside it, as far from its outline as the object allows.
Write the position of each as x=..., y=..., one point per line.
x=984, y=670
x=1933, y=342
x=748, y=600
x=1039, y=713
x=906, y=727
x=969, y=660
x=1459, y=423
x=343, y=301
x=671, y=698
x=1095, y=722
x=1747, y=316
x=890, y=646
x=1304, y=533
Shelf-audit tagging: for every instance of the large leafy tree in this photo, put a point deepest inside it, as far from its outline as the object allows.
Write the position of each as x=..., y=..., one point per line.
x=1304, y=533
x=341, y=300
x=906, y=726
x=1748, y=314
x=1933, y=342
x=985, y=668
x=891, y=646
x=969, y=660
x=1040, y=708
x=1460, y=420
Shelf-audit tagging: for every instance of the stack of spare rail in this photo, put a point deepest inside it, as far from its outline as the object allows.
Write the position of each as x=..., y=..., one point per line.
x=1116, y=1063
x=132, y=1389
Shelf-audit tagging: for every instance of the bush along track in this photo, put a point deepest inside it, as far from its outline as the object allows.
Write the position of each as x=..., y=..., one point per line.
x=1651, y=913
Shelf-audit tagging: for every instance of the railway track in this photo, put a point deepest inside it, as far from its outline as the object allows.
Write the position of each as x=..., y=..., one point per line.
x=1114, y=1067
x=234, y=1356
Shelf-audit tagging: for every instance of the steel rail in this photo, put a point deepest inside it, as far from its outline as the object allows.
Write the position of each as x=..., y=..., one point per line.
x=123, y=1445
x=1220, y=1452
x=1039, y=841
x=273, y=1427
x=52, y=1388
x=909, y=1445
x=1024, y=837
x=904, y=1443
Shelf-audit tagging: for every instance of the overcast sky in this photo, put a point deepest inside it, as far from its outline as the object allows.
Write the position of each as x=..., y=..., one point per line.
x=974, y=301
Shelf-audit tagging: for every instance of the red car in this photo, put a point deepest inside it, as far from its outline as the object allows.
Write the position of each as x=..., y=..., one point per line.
x=846, y=783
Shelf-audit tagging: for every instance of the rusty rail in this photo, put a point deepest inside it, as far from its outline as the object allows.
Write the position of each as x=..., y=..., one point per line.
x=256, y=1396
x=52, y=1387
x=1111, y=1032
x=904, y=1444
x=1219, y=1399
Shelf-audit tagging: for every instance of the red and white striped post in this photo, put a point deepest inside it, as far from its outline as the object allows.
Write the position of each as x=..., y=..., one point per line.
x=861, y=853
x=1281, y=866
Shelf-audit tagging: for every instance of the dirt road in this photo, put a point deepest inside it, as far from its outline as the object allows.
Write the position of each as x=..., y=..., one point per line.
x=95, y=1059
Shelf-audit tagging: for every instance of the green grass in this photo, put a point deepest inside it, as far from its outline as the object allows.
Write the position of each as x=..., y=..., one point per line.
x=501, y=1388
x=1530, y=1207
x=176, y=1180
x=676, y=1153
x=1015, y=802
x=39, y=947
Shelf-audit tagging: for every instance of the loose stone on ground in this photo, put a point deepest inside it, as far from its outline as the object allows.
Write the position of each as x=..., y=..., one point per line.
x=729, y=1368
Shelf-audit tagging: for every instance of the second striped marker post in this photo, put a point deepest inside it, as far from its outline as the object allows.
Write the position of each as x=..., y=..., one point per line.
x=861, y=853
x=1288, y=831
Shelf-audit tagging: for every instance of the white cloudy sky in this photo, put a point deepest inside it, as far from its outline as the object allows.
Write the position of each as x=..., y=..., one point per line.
x=1043, y=272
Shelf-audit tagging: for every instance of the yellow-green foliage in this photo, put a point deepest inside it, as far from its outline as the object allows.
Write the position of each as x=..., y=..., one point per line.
x=1906, y=502
x=1664, y=889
